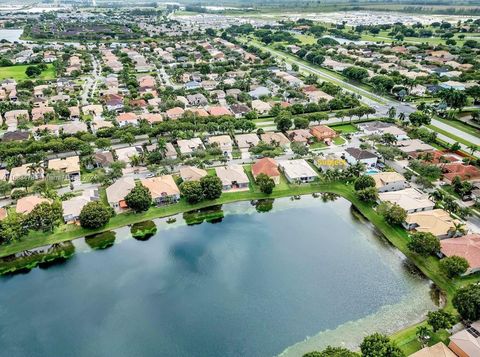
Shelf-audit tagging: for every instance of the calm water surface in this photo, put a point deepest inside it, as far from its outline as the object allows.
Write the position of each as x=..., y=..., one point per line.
x=251, y=285
x=10, y=35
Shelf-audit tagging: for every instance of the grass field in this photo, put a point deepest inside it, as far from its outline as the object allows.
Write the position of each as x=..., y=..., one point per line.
x=18, y=72
x=306, y=39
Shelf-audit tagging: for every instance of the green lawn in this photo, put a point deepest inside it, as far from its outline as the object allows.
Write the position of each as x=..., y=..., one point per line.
x=344, y=128
x=450, y=135
x=18, y=72
x=460, y=126
x=306, y=39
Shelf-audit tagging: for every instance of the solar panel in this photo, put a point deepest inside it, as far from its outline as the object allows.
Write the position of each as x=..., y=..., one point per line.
x=473, y=332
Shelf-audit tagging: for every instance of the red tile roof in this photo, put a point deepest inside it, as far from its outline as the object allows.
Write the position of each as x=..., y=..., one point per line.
x=265, y=166
x=467, y=247
x=465, y=172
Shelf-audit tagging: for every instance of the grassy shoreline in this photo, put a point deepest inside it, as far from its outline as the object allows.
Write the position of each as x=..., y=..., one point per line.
x=397, y=236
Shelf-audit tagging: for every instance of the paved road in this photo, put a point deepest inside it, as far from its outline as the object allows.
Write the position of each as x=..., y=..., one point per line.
x=457, y=132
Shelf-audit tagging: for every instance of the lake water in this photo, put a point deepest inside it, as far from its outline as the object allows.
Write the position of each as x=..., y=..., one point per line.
x=254, y=284
x=11, y=35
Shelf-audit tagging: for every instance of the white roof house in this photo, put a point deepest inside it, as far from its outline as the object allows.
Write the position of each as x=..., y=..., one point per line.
x=233, y=177
x=297, y=171
x=410, y=199
x=188, y=146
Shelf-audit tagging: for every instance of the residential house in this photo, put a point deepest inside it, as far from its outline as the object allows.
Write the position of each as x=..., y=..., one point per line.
x=174, y=113
x=26, y=170
x=170, y=152
x=69, y=165
x=275, y=138
x=26, y=204
x=260, y=106
x=464, y=172
x=297, y=171
x=239, y=110
x=224, y=142
x=39, y=113
x=267, y=166
x=466, y=343
x=410, y=199
x=303, y=136
x=197, y=99
x=117, y=191
x=127, y=118
x=355, y=156
x=113, y=102
x=192, y=173
x=233, y=177
x=188, y=146
x=467, y=247
x=246, y=141
x=103, y=159
x=413, y=146
x=389, y=181
x=219, y=111
x=437, y=350
x=125, y=154
x=163, y=189
x=323, y=133
x=73, y=207
x=437, y=221
x=259, y=92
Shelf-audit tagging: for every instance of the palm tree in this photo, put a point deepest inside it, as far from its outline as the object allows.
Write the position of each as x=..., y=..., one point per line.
x=436, y=195
x=457, y=230
x=401, y=117
x=473, y=148
x=135, y=160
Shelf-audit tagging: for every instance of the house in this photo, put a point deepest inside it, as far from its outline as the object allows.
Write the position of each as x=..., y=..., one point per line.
x=466, y=343
x=73, y=207
x=113, y=102
x=127, y=118
x=437, y=221
x=197, y=99
x=467, y=247
x=464, y=172
x=152, y=118
x=297, y=171
x=239, y=110
x=69, y=165
x=410, y=199
x=93, y=109
x=26, y=204
x=16, y=135
x=219, y=111
x=103, y=159
x=389, y=181
x=246, y=141
x=259, y=92
x=125, y=154
x=39, y=113
x=267, y=166
x=26, y=170
x=163, y=189
x=192, y=85
x=233, y=177
x=170, y=152
x=174, y=113
x=74, y=113
x=330, y=162
x=437, y=350
x=323, y=133
x=224, y=142
x=434, y=157
x=303, y=136
x=192, y=173
x=3, y=213
x=414, y=145
x=117, y=191
x=274, y=138
x=260, y=106
x=355, y=156
x=74, y=127
x=188, y=146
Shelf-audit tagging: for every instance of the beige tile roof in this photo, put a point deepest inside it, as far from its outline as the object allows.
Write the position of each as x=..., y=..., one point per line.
x=68, y=165
x=384, y=178
x=119, y=189
x=192, y=173
x=437, y=221
x=27, y=204
x=231, y=173
x=161, y=186
x=409, y=199
x=437, y=350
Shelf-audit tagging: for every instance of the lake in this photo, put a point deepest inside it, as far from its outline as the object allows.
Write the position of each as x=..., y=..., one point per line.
x=247, y=284
x=11, y=35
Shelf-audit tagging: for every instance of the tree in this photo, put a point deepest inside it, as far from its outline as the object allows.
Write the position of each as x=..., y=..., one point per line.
x=467, y=302
x=301, y=123
x=44, y=216
x=12, y=228
x=424, y=243
x=299, y=149
x=393, y=213
x=266, y=183
x=139, y=198
x=95, y=215
x=378, y=345
x=423, y=335
x=5, y=188
x=419, y=118
x=283, y=121
x=440, y=319
x=332, y=352
x=369, y=194
x=212, y=187
x=33, y=71
x=23, y=181
x=355, y=73
x=364, y=181
x=454, y=266
x=192, y=191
